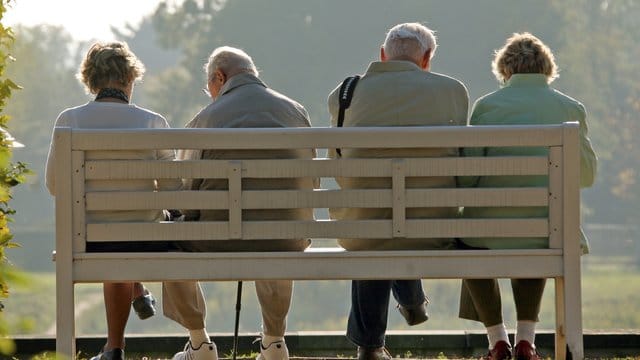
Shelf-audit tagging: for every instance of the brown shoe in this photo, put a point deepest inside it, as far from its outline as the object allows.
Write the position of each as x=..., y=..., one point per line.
x=501, y=351
x=526, y=351
x=380, y=353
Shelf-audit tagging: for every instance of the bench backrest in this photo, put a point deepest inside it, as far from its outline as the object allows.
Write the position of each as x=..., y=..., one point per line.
x=561, y=196
x=74, y=200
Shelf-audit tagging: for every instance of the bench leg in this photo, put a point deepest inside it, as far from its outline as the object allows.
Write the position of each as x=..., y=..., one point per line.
x=573, y=315
x=560, y=339
x=65, y=321
x=569, y=340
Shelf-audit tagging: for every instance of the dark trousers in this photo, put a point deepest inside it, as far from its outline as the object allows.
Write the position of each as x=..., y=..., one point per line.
x=370, y=304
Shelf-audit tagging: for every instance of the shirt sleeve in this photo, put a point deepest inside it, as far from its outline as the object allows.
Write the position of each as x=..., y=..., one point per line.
x=588, y=158
x=50, y=175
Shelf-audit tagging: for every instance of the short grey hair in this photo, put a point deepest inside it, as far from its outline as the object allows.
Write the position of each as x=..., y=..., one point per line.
x=409, y=40
x=230, y=61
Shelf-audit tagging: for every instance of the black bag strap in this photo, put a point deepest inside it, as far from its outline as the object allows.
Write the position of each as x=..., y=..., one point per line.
x=344, y=100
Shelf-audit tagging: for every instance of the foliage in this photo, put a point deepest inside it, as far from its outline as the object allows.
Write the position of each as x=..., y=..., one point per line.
x=48, y=59
x=189, y=28
x=11, y=174
x=598, y=55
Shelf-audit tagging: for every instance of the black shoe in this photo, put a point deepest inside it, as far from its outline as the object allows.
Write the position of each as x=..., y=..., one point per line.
x=415, y=315
x=380, y=353
x=113, y=354
x=144, y=305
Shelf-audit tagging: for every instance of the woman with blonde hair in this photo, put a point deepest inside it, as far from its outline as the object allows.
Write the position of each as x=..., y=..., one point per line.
x=109, y=71
x=525, y=67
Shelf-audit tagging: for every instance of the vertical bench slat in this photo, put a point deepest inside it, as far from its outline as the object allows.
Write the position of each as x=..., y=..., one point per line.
x=399, y=198
x=79, y=203
x=556, y=212
x=571, y=237
x=555, y=197
x=65, y=322
x=235, y=199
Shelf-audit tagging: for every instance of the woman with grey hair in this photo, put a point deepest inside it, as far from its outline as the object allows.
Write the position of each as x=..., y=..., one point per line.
x=525, y=67
x=109, y=71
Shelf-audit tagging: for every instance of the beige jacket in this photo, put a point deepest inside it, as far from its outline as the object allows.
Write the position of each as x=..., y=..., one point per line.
x=246, y=102
x=399, y=93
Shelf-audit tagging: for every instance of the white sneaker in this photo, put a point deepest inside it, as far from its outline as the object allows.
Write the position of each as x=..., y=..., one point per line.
x=206, y=351
x=277, y=350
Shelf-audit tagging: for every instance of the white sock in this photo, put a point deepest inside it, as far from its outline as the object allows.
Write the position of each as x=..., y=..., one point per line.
x=526, y=330
x=496, y=333
x=268, y=339
x=199, y=336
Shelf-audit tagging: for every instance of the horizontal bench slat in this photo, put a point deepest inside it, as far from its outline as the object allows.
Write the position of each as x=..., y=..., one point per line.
x=322, y=265
x=290, y=199
x=255, y=230
x=303, y=138
x=147, y=200
x=291, y=168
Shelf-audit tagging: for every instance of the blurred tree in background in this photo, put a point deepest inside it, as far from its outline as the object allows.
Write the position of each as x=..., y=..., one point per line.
x=188, y=28
x=11, y=174
x=598, y=56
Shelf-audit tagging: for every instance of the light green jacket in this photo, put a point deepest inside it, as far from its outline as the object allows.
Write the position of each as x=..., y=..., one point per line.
x=525, y=99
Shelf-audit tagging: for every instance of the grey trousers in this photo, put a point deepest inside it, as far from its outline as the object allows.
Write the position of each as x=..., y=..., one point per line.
x=183, y=302
x=480, y=300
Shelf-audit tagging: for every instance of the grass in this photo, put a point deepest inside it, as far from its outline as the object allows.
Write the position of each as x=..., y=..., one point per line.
x=30, y=311
x=441, y=356
x=609, y=303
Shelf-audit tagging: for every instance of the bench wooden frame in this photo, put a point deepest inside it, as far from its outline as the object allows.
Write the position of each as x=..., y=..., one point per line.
x=561, y=261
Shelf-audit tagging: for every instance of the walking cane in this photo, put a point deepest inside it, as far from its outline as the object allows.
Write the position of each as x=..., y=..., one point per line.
x=235, y=332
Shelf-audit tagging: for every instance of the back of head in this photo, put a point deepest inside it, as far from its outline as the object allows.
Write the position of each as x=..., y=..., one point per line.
x=231, y=61
x=409, y=41
x=524, y=54
x=109, y=64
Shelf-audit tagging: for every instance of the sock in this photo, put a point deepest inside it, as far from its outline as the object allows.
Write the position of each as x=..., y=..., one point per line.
x=526, y=330
x=199, y=336
x=496, y=333
x=268, y=339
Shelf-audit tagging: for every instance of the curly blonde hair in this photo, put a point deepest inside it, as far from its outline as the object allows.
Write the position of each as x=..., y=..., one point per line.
x=524, y=53
x=109, y=63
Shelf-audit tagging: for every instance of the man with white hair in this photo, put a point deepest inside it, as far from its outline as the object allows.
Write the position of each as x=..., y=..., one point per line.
x=398, y=90
x=240, y=100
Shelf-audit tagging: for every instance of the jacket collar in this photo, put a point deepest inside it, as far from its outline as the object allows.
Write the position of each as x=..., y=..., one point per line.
x=240, y=80
x=527, y=80
x=395, y=65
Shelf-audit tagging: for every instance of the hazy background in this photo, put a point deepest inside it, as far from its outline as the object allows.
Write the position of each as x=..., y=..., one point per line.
x=304, y=49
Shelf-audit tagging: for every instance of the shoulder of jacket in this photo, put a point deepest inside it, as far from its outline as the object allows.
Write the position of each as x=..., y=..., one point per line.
x=447, y=79
x=568, y=100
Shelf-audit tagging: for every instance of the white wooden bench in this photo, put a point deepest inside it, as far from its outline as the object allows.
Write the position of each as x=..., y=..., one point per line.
x=561, y=261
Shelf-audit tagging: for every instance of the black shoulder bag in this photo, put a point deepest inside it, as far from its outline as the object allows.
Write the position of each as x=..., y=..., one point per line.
x=344, y=100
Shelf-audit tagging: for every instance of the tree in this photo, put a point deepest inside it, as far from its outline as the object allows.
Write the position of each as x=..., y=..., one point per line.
x=598, y=53
x=188, y=28
x=11, y=174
